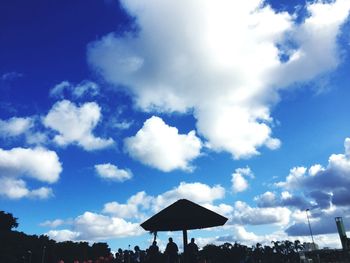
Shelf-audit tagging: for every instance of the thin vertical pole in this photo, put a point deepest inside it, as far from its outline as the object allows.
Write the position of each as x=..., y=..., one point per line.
x=43, y=255
x=184, y=232
x=312, y=237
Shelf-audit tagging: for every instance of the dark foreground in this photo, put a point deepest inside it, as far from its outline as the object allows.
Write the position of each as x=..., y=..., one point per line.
x=19, y=247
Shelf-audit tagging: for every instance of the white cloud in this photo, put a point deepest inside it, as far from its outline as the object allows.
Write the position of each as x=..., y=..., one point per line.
x=333, y=178
x=242, y=234
x=122, y=125
x=41, y=193
x=161, y=146
x=267, y=199
x=52, y=224
x=138, y=205
x=244, y=214
x=121, y=210
x=18, y=126
x=38, y=163
x=15, y=126
x=220, y=61
x=195, y=192
x=286, y=199
x=141, y=203
x=63, y=235
x=132, y=208
x=222, y=209
x=294, y=178
x=94, y=227
x=17, y=189
x=75, y=124
x=239, y=182
x=80, y=90
x=112, y=173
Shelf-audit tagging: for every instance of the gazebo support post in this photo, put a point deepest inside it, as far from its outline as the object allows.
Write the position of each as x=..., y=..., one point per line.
x=184, y=232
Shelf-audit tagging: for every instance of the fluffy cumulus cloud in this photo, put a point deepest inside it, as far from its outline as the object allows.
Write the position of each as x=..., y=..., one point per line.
x=224, y=62
x=196, y=192
x=239, y=181
x=161, y=146
x=244, y=214
x=111, y=172
x=63, y=235
x=66, y=89
x=103, y=227
x=17, y=189
x=75, y=124
x=93, y=227
x=38, y=163
x=131, y=209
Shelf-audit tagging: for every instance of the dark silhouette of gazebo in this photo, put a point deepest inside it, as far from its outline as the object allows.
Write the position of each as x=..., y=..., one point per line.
x=183, y=215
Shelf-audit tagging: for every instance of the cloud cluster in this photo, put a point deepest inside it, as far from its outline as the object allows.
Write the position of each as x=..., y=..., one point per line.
x=111, y=172
x=161, y=146
x=324, y=190
x=224, y=62
x=75, y=124
x=323, y=184
x=40, y=164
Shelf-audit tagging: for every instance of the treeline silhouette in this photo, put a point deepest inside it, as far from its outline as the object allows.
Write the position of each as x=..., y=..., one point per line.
x=19, y=247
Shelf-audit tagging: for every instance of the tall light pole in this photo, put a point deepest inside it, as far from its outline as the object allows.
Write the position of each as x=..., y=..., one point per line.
x=308, y=220
x=43, y=255
x=30, y=256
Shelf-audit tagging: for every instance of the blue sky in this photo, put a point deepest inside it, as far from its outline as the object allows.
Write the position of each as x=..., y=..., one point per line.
x=110, y=111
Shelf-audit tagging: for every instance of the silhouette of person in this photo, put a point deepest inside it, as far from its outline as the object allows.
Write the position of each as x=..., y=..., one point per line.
x=119, y=257
x=136, y=255
x=192, y=251
x=153, y=253
x=171, y=251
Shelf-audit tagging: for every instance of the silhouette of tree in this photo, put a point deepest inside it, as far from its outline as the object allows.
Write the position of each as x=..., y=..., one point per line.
x=7, y=221
x=298, y=246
